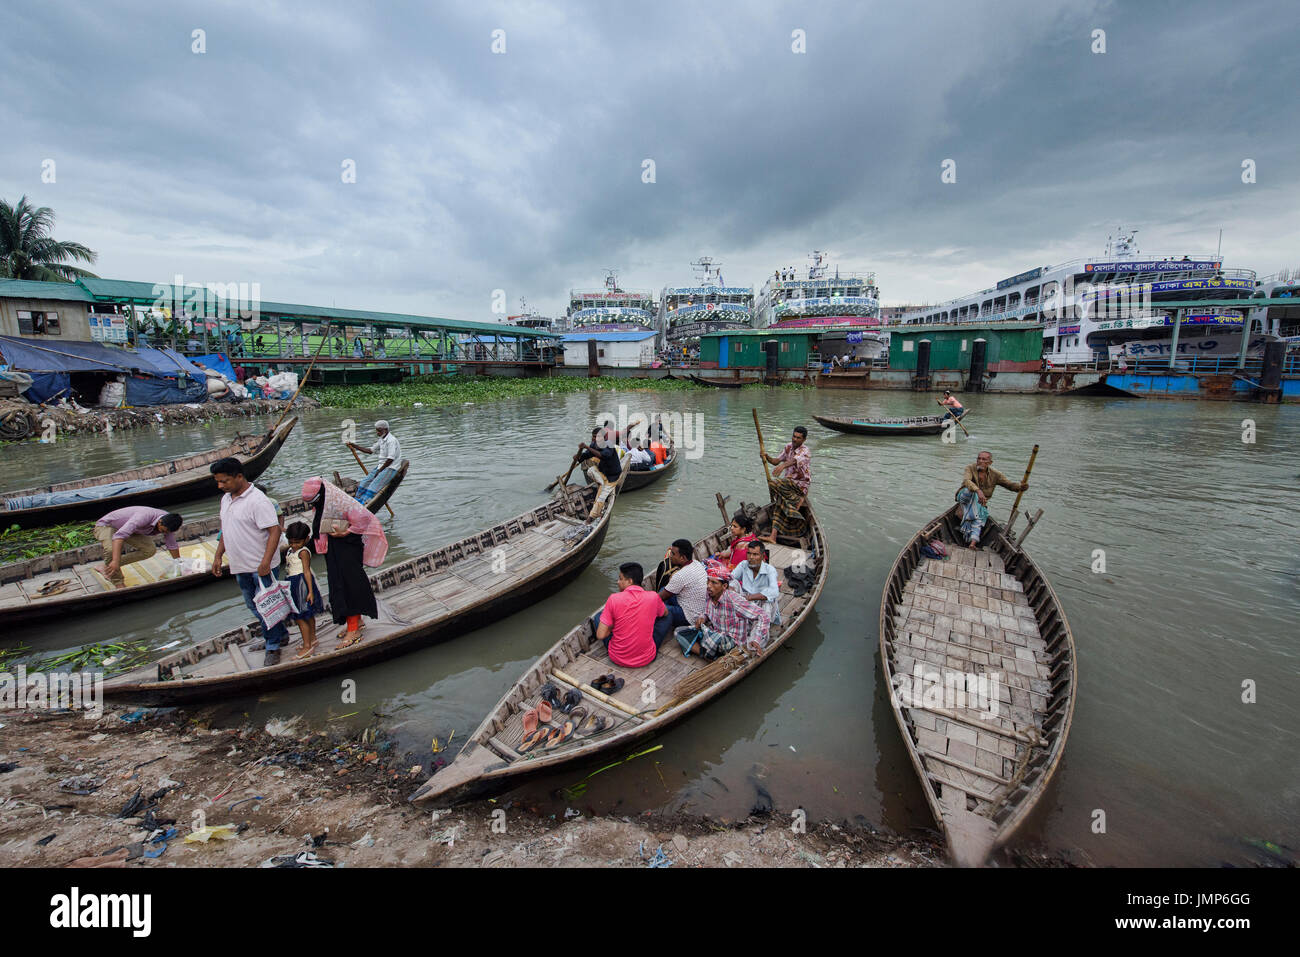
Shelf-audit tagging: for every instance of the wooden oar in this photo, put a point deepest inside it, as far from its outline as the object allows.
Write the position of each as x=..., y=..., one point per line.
x=301, y=382
x=762, y=450
x=1015, y=509
x=955, y=419
x=364, y=472
x=565, y=479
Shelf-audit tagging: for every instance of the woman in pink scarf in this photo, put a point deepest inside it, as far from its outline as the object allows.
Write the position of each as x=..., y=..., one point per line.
x=349, y=537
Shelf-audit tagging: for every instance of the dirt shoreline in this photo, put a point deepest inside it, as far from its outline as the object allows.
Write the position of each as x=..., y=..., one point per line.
x=339, y=800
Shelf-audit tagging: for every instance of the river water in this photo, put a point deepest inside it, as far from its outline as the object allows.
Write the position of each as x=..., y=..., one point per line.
x=1199, y=599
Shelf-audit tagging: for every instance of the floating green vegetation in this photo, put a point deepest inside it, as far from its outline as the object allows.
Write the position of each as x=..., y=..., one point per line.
x=17, y=544
x=109, y=657
x=454, y=390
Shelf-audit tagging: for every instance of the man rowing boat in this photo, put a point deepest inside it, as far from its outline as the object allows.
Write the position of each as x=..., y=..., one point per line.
x=955, y=408
x=790, y=491
x=978, y=482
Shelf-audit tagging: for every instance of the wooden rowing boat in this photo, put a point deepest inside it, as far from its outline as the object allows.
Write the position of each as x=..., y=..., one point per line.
x=490, y=759
x=179, y=480
x=724, y=383
x=72, y=582
x=984, y=761
x=912, y=425
x=429, y=599
x=636, y=480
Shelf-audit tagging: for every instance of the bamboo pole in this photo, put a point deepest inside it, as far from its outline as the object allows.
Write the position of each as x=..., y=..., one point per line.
x=762, y=450
x=565, y=479
x=1015, y=509
x=364, y=472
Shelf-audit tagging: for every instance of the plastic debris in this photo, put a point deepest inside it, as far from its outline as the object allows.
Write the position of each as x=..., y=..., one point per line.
x=222, y=832
x=81, y=784
x=301, y=859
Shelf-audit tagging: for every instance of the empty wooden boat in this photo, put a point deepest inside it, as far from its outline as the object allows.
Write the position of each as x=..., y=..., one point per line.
x=980, y=663
x=724, y=383
x=72, y=582
x=429, y=599
x=163, y=483
x=491, y=758
x=913, y=425
x=636, y=480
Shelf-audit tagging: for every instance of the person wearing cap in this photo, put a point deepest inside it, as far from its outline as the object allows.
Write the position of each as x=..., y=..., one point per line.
x=955, y=410
x=729, y=619
x=388, y=452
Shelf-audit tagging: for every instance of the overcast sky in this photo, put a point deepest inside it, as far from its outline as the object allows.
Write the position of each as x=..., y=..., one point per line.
x=523, y=170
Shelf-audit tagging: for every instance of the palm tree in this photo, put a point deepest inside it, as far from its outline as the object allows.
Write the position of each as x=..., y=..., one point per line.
x=28, y=251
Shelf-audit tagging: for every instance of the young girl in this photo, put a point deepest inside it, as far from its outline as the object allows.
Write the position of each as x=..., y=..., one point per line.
x=306, y=594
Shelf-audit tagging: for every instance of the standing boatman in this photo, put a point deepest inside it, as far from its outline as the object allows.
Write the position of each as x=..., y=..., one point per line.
x=388, y=451
x=955, y=409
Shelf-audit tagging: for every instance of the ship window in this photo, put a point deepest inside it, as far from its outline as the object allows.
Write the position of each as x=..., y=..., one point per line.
x=600, y=353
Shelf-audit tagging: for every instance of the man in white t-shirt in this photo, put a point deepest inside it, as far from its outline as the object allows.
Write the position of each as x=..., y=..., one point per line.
x=388, y=453
x=639, y=460
x=250, y=542
x=687, y=590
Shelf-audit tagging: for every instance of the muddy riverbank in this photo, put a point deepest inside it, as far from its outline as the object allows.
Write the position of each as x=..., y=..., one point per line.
x=23, y=421
x=109, y=792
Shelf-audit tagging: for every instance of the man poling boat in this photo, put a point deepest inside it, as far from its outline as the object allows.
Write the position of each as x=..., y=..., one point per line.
x=789, y=491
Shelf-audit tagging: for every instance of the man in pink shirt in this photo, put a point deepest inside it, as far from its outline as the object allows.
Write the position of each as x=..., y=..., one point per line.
x=627, y=622
x=127, y=536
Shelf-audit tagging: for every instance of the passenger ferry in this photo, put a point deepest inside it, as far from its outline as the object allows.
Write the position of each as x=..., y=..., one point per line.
x=845, y=305
x=1099, y=310
x=709, y=306
x=611, y=309
x=532, y=319
x=818, y=300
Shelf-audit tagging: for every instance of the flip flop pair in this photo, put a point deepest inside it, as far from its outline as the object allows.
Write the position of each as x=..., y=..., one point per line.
x=540, y=715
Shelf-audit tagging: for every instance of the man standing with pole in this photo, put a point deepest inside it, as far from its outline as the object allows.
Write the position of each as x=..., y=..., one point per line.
x=389, y=453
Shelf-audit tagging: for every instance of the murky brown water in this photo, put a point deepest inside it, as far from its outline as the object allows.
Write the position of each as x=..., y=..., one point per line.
x=1200, y=594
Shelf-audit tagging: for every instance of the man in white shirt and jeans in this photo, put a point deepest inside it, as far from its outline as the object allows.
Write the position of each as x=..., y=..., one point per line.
x=388, y=451
x=250, y=541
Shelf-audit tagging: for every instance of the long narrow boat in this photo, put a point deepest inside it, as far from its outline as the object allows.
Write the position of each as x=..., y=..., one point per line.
x=72, y=582
x=427, y=600
x=490, y=758
x=163, y=483
x=913, y=425
x=724, y=383
x=636, y=480
x=980, y=663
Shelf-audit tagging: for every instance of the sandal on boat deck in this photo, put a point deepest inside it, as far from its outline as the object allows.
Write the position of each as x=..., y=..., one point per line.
x=305, y=653
x=535, y=737
x=594, y=724
x=348, y=642
x=571, y=699
x=559, y=735
x=550, y=694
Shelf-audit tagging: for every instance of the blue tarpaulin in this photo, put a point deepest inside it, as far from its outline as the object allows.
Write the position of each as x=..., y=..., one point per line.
x=153, y=376
x=218, y=362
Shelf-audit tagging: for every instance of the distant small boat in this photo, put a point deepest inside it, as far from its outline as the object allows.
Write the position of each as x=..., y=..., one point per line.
x=981, y=671
x=724, y=383
x=163, y=483
x=72, y=582
x=914, y=425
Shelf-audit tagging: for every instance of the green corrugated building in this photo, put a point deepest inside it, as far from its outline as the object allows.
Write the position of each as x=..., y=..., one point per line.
x=743, y=349
x=1011, y=346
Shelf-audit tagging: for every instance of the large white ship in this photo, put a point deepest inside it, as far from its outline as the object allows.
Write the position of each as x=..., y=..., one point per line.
x=1096, y=310
x=611, y=309
x=708, y=306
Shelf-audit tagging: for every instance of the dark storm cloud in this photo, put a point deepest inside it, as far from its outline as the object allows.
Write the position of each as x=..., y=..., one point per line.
x=522, y=171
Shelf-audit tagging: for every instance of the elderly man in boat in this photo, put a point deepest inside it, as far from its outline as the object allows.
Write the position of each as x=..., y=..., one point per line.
x=977, y=483
x=729, y=620
x=127, y=536
x=790, y=491
x=388, y=453
x=757, y=580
